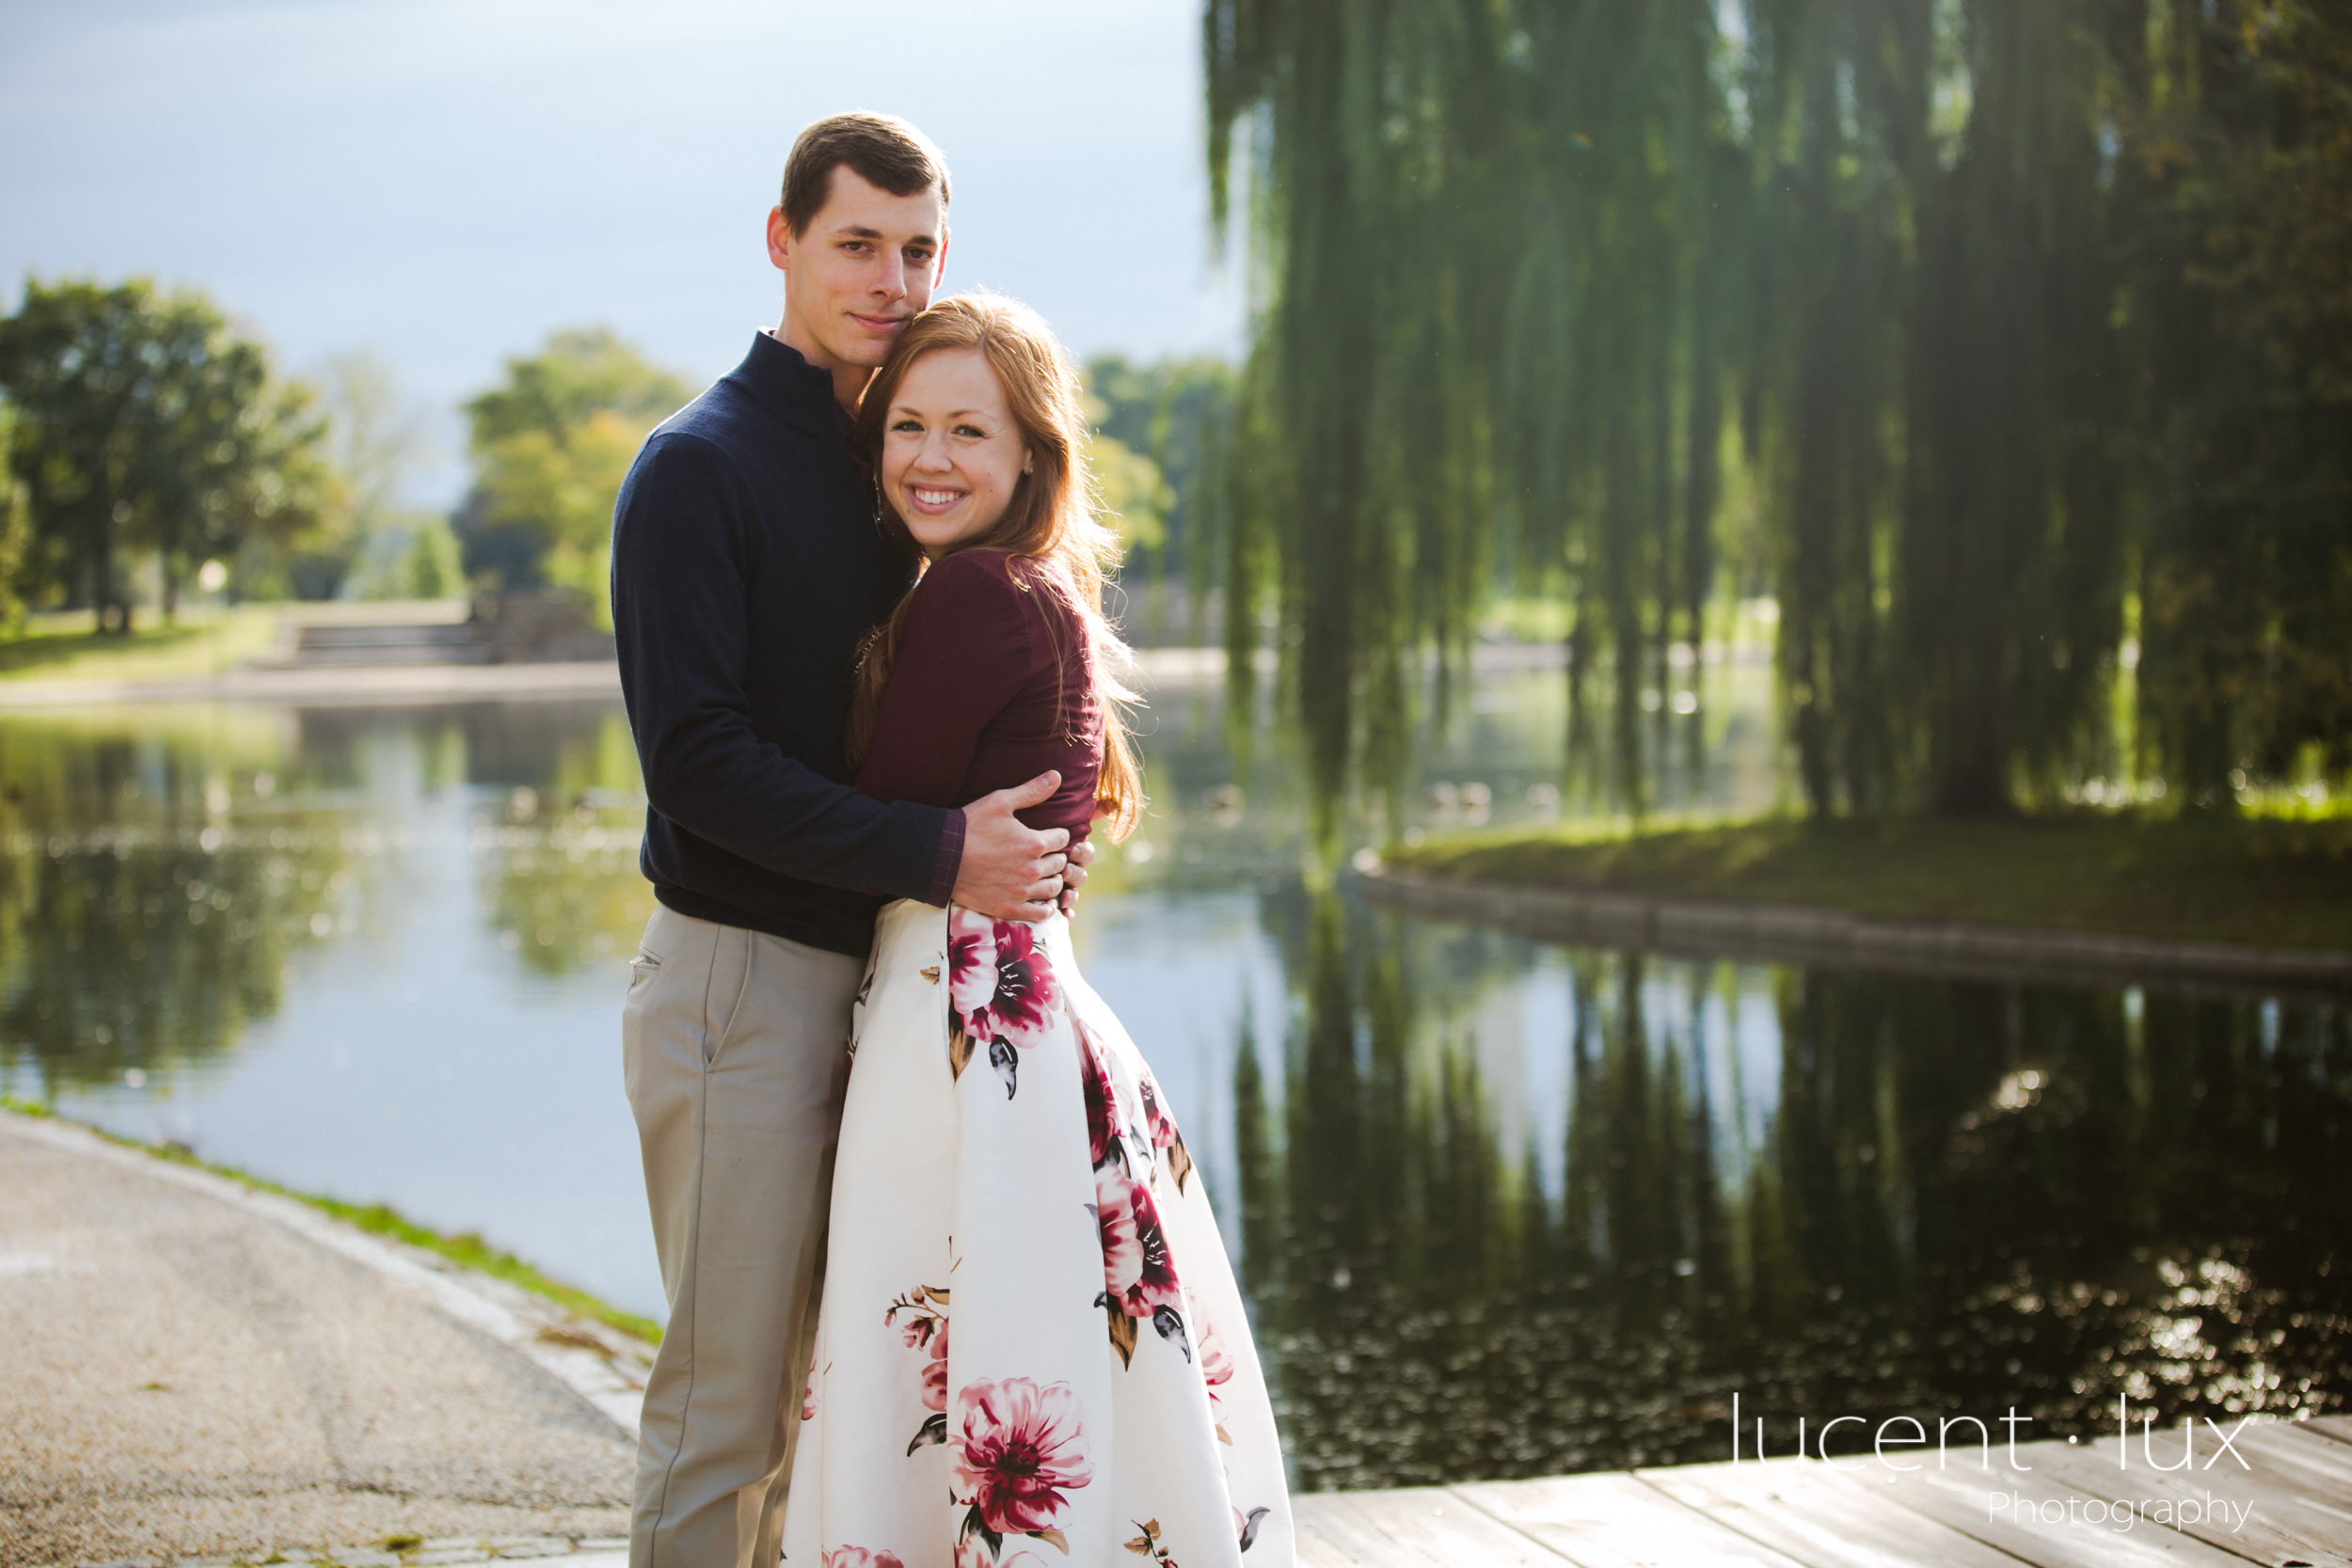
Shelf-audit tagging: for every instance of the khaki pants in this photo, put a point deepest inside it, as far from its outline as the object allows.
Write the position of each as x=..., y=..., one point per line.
x=732, y=1045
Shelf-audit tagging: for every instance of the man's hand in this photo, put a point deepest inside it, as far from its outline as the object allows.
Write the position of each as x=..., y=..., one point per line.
x=1009, y=871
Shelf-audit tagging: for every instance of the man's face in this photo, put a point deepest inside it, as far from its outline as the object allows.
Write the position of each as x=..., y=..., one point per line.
x=866, y=266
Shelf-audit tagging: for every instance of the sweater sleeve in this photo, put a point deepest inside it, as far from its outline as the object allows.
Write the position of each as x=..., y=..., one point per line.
x=679, y=609
x=965, y=652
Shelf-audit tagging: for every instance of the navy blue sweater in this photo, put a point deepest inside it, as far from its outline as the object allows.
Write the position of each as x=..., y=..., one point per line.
x=746, y=565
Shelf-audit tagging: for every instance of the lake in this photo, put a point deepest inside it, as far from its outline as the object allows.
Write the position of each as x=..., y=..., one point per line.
x=1502, y=1208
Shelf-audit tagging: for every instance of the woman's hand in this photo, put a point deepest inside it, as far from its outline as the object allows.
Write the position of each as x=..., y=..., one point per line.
x=1074, y=874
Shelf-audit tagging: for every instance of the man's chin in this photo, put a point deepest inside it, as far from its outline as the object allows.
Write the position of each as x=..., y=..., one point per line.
x=869, y=347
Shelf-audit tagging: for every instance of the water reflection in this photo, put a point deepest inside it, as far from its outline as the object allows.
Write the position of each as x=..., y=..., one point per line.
x=559, y=860
x=141, y=926
x=1829, y=1194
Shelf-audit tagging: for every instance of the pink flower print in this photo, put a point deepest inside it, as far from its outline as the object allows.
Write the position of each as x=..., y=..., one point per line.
x=1138, y=1275
x=971, y=961
x=1164, y=1133
x=1217, y=1364
x=1020, y=1449
x=935, y=1372
x=1026, y=998
x=1002, y=989
x=858, y=1557
x=1102, y=1098
x=1122, y=1250
x=1163, y=1126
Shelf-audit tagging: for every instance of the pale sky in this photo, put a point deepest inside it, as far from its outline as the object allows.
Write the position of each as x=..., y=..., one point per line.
x=445, y=180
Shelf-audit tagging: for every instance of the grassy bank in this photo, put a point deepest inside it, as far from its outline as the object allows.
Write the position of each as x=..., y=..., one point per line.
x=2266, y=882
x=466, y=1249
x=64, y=647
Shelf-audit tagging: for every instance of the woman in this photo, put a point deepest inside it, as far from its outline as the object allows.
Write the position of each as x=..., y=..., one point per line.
x=1031, y=1349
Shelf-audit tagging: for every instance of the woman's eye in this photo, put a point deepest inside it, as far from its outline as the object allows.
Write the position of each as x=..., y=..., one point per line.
x=972, y=432
x=909, y=427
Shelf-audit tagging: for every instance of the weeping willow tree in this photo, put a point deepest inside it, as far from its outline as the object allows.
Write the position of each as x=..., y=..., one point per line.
x=1933, y=274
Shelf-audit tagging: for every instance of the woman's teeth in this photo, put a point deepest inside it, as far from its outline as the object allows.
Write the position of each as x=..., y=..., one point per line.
x=936, y=498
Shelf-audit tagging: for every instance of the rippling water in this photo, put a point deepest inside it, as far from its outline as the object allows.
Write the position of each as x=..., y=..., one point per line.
x=1503, y=1207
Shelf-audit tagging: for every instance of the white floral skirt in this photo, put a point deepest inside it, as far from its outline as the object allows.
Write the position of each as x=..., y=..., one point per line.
x=1031, y=1350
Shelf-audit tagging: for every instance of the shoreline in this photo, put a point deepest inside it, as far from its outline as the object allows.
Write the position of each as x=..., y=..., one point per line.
x=389, y=685
x=326, y=685
x=553, y=1322
x=1834, y=939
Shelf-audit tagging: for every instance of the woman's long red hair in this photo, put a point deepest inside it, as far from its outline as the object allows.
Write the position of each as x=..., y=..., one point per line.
x=1053, y=517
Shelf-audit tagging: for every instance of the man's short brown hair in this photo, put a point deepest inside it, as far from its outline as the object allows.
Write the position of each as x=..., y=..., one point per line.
x=884, y=150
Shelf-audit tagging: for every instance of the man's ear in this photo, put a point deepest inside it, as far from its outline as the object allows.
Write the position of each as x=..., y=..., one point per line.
x=939, y=262
x=779, y=240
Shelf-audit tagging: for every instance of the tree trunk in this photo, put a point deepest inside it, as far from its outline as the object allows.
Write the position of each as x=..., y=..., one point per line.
x=102, y=589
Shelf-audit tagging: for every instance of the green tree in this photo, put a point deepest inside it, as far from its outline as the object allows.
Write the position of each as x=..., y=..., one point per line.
x=376, y=439
x=2242, y=287
x=143, y=423
x=1171, y=414
x=550, y=448
x=2012, y=314
x=16, y=529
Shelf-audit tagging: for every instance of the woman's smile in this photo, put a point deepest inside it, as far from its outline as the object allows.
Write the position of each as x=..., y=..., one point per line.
x=952, y=454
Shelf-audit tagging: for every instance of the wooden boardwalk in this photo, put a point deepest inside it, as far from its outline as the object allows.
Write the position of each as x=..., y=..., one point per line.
x=2289, y=1503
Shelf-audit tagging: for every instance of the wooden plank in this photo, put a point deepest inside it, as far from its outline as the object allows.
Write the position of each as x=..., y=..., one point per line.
x=2337, y=1427
x=2319, y=1464
x=1790, y=1506
x=2026, y=1515
x=1857, y=1513
x=2318, y=1473
x=2269, y=1521
x=1616, y=1521
x=1419, y=1526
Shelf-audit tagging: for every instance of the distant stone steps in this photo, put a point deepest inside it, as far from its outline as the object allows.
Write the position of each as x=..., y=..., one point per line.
x=332, y=646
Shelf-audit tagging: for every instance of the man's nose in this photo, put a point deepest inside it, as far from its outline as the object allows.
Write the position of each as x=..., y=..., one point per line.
x=892, y=282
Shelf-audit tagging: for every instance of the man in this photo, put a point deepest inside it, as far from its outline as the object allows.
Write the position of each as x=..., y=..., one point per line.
x=746, y=567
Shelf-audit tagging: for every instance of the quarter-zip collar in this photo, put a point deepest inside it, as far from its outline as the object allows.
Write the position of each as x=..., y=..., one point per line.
x=774, y=376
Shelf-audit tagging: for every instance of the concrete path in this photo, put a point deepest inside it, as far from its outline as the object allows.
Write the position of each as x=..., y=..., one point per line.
x=186, y=1372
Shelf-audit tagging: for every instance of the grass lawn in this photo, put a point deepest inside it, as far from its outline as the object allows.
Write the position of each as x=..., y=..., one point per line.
x=71, y=652
x=2265, y=882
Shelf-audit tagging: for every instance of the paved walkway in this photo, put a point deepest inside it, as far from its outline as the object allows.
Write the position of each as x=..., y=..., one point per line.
x=191, y=1371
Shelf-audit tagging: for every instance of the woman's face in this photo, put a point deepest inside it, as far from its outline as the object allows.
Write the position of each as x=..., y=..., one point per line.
x=951, y=453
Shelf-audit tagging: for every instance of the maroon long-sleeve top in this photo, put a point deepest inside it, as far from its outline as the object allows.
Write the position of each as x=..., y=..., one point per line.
x=991, y=686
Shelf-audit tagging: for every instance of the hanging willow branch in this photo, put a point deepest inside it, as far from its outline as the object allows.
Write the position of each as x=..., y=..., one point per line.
x=1926, y=272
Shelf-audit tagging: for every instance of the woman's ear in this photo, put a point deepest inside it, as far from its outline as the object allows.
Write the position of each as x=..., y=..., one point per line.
x=1028, y=461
